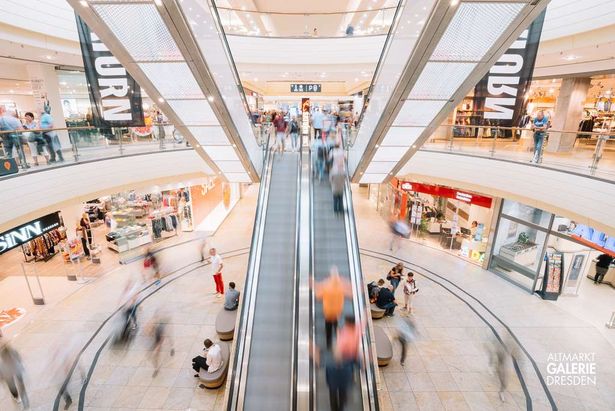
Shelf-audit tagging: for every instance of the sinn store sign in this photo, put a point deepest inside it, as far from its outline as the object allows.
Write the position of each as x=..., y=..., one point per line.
x=29, y=231
x=305, y=88
x=114, y=94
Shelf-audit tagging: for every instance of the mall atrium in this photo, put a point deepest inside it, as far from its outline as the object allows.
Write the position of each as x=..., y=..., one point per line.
x=264, y=205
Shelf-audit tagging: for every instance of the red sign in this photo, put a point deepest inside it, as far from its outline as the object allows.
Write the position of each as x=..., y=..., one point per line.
x=447, y=192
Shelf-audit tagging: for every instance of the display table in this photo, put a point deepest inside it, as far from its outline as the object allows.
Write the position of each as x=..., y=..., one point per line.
x=520, y=253
x=128, y=238
x=609, y=277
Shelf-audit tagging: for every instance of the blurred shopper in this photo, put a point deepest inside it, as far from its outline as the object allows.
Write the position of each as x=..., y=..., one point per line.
x=128, y=319
x=61, y=366
x=331, y=292
x=602, y=267
x=499, y=361
x=231, y=298
x=319, y=156
x=12, y=372
x=12, y=139
x=350, y=30
x=386, y=300
x=216, y=271
x=51, y=138
x=540, y=124
x=337, y=178
x=395, y=275
x=348, y=339
x=318, y=120
x=159, y=336
x=150, y=264
x=399, y=229
x=293, y=130
x=86, y=234
x=339, y=375
x=280, y=132
x=36, y=142
x=406, y=333
x=212, y=361
x=410, y=289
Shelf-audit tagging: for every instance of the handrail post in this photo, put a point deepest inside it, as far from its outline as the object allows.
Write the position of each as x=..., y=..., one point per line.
x=597, y=153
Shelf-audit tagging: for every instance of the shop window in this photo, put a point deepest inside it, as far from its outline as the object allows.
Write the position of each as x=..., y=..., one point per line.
x=518, y=252
x=526, y=213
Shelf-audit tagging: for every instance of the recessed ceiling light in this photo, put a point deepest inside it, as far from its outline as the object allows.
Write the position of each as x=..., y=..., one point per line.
x=160, y=100
x=210, y=99
x=48, y=57
x=83, y=3
x=571, y=57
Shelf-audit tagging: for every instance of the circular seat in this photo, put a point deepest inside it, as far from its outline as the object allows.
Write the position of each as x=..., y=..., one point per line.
x=225, y=324
x=376, y=311
x=384, y=348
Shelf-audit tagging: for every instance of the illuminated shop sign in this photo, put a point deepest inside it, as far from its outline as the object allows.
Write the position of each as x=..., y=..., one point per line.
x=29, y=231
x=439, y=191
x=305, y=88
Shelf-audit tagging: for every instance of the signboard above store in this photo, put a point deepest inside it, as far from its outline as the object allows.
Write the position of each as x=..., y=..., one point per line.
x=306, y=88
x=29, y=231
x=482, y=201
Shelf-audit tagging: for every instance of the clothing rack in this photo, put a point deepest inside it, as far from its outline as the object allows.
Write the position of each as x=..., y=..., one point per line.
x=164, y=224
x=43, y=247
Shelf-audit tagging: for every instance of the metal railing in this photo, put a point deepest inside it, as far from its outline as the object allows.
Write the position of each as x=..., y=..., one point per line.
x=591, y=153
x=357, y=23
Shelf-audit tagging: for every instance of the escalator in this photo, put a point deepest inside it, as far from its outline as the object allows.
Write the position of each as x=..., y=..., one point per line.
x=264, y=363
x=334, y=243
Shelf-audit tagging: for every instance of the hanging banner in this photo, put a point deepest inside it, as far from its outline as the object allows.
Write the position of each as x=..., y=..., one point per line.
x=115, y=96
x=500, y=96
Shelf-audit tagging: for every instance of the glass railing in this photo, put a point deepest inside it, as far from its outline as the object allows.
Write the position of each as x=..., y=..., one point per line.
x=588, y=153
x=367, y=22
x=38, y=149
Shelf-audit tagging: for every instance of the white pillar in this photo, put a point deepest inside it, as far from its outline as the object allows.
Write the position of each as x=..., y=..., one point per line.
x=46, y=87
x=568, y=113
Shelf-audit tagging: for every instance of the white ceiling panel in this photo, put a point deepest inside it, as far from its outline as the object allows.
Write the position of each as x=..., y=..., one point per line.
x=439, y=80
x=221, y=153
x=173, y=80
x=372, y=178
x=209, y=135
x=231, y=166
x=194, y=112
x=141, y=30
x=402, y=136
x=380, y=167
x=389, y=153
x=474, y=29
x=418, y=113
x=238, y=177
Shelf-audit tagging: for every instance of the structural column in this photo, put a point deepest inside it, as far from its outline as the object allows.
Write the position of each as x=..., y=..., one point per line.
x=568, y=113
x=46, y=88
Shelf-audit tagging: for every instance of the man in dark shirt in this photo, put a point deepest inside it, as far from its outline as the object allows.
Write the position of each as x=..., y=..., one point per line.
x=602, y=266
x=386, y=301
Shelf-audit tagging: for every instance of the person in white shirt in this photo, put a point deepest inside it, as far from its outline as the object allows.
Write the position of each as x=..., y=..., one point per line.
x=410, y=289
x=212, y=363
x=216, y=271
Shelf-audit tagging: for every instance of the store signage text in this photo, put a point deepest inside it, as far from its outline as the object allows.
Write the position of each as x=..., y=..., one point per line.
x=440, y=191
x=306, y=88
x=114, y=94
x=29, y=231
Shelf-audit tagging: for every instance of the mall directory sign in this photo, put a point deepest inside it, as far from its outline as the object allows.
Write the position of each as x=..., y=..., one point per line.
x=114, y=94
x=306, y=88
x=29, y=231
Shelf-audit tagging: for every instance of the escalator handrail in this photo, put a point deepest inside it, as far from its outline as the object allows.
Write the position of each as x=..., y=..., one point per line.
x=236, y=373
x=360, y=303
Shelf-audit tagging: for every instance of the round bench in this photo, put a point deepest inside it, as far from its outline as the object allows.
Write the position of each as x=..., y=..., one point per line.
x=384, y=348
x=216, y=379
x=225, y=324
x=377, y=312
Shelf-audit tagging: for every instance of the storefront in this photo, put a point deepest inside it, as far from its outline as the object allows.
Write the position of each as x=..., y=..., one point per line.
x=544, y=253
x=446, y=218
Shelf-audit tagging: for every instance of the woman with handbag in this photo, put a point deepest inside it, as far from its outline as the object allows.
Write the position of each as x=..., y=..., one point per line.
x=36, y=142
x=395, y=275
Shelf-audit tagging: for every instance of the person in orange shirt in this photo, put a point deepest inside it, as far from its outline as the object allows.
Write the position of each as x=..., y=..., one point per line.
x=332, y=292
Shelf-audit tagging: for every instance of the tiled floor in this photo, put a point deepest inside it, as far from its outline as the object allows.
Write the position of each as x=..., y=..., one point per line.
x=448, y=367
